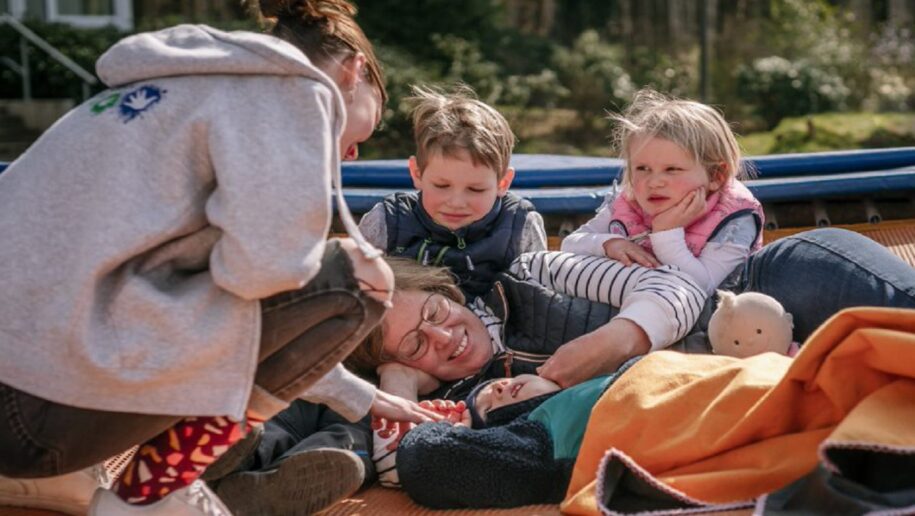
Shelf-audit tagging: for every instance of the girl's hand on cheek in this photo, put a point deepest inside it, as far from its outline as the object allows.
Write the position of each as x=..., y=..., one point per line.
x=683, y=213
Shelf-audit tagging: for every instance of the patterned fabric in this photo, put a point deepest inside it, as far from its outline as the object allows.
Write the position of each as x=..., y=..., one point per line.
x=176, y=457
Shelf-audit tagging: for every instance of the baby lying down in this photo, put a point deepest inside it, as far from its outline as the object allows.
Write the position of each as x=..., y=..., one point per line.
x=512, y=442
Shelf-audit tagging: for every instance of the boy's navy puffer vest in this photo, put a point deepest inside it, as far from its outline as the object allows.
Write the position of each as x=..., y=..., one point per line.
x=537, y=321
x=474, y=253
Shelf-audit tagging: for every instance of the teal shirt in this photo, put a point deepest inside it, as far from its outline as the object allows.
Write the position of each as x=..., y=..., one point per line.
x=566, y=414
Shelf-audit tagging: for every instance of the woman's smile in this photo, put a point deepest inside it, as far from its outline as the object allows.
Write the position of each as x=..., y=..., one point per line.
x=461, y=347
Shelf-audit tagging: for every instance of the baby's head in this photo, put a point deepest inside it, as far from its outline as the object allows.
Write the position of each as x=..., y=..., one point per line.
x=463, y=148
x=700, y=132
x=503, y=399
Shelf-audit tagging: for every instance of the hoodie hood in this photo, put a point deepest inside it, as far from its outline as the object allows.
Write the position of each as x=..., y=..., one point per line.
x=202, y=50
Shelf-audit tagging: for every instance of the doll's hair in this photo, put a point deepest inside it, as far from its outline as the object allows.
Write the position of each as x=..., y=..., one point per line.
x=449, y=123
x=325, y=30
x=408, y=275
x=698, y=128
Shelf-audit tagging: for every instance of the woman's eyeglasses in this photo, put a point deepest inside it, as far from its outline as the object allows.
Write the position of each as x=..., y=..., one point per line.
x=413, y=345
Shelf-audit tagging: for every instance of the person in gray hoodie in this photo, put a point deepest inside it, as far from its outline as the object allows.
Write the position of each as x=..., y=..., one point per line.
x=164, y=244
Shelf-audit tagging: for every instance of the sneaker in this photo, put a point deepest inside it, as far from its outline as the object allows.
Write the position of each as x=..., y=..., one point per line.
x=68, y=493
x=240, y=456
x=194, y=500
x=304, y=483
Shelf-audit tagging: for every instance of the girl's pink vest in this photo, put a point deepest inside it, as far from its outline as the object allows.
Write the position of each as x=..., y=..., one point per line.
x=721, y=207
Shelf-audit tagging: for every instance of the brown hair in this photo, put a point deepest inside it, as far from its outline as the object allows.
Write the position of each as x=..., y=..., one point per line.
x=700, y=129
x=408, y=275
x=448, y=123
x=325, y=30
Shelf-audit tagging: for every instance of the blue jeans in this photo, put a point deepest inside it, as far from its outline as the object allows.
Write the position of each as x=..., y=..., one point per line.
x=816, y=273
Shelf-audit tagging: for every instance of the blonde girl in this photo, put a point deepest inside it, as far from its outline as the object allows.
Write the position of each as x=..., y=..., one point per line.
x=681, y=202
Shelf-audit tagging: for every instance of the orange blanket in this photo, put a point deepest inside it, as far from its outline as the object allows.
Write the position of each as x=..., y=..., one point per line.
x=721, y=430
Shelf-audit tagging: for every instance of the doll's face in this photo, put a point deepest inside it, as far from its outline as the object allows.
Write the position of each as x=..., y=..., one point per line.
x=507, y=391
x=748, y=326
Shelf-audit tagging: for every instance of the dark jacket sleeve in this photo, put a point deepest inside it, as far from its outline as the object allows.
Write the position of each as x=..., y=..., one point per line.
x=444, y=466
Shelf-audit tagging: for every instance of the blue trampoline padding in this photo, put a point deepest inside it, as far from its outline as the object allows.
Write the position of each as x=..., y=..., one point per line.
x=531, y=171
x=545, y=170
x=578, y=200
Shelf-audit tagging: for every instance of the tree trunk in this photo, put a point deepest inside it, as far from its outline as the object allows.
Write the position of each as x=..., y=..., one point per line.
x=676, y=13
x=547, y=17
x=626, y=28
x=900, y=13
x=862, y=10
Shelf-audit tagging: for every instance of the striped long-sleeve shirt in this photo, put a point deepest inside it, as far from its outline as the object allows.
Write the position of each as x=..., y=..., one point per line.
x=665, y=302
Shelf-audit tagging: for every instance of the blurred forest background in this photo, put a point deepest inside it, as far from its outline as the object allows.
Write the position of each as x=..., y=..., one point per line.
x=792, y=75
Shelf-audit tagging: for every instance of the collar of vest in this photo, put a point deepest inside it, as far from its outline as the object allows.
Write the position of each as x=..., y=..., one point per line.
x=473, y=232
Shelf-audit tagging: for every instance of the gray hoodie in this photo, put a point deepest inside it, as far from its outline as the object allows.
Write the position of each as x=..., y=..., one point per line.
x=139, y=232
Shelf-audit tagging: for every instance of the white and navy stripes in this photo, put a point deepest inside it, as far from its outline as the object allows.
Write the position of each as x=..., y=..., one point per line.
x=664, y=301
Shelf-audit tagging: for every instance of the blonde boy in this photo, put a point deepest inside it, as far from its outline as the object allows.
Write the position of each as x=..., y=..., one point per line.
x=462, y=215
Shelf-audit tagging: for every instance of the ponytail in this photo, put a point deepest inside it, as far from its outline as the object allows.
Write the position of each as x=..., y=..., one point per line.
x=325, y=30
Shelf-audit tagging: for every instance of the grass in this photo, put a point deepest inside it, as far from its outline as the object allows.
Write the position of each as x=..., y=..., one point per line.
x=833, y=131
x=566, y=132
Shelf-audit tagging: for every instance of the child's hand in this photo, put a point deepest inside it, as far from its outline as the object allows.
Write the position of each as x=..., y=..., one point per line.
x=683, y=213
x=394, y=407
x=627, y=253
x=465, y=419
x=451, y=412
x=600, y=352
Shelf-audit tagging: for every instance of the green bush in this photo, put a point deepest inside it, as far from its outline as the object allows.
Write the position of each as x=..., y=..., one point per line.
x=664, y=72
x=50, y=79
x=540, y=90
x=395, y=137
x=778, y=88
x=592, y=73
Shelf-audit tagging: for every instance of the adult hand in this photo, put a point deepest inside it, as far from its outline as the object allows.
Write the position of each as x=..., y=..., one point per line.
x=600, y=352
x=627, y=253
x=682, y=214
x=405, y=381
x=393, y=407
x=373, y=274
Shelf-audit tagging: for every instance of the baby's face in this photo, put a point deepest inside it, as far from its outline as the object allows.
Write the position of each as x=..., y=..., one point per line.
x=506, y=391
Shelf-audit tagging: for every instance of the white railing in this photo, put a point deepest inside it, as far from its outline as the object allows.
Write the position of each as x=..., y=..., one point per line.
x=22, y=68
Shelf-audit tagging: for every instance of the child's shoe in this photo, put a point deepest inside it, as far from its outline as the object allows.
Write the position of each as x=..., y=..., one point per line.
x=304, y=483
x=68, y=493
x=194, y=500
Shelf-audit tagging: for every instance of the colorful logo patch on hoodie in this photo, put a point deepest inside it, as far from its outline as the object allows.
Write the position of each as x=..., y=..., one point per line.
x=105, y=103
x=130, y=104
x=138, y=101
